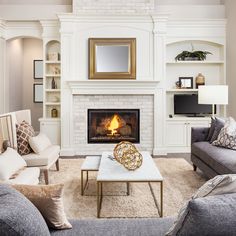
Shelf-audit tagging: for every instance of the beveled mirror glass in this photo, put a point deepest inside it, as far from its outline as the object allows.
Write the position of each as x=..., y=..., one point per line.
x=112, y=58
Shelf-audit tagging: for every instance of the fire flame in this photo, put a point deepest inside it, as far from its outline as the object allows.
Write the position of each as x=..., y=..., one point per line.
x=114, y=124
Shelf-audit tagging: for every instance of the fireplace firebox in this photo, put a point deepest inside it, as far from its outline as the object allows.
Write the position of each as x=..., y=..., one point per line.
x=113, y=125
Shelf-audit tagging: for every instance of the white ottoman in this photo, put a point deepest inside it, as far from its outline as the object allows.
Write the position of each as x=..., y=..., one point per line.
x=91, y=163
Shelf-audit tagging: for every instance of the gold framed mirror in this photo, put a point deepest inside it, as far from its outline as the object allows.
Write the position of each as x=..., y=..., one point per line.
x=112, y=58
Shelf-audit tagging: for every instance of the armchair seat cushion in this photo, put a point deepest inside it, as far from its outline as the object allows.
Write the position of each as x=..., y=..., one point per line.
x=45, y=158
x=29, y=175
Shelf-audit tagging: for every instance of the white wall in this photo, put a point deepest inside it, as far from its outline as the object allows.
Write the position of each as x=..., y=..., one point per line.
x=20, y=56
x=231, y=55
x=14, y=65
x=33, y=50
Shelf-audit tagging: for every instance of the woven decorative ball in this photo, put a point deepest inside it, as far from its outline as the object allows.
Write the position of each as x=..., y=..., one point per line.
x=127, y=154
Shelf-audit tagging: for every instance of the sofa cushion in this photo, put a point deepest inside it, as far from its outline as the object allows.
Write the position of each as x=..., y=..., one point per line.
x=39, y=143
x=222, y=160
x=45, y=158
x=117, y=227
x=10, y=163
x=29, y=175
x=48, y=200
x=212, y=215
x=218, y=125
x=18, y=216
x=23, y=132
x=227, y=135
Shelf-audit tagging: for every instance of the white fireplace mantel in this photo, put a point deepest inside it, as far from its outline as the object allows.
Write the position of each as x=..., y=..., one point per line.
x=113, y=87
x=118, y=87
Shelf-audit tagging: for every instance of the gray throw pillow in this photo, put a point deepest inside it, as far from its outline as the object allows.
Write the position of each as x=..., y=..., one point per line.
x=212, y=129
x=212, y=215
x=219, y=185
x=18, y=216
x=219, y=124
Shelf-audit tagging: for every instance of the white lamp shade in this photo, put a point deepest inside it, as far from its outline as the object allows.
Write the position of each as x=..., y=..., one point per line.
x=213, y=94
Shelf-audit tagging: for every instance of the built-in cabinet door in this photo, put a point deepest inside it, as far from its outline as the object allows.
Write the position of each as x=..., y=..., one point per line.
x=52, y=130
x=176, y=134
x=191, y=124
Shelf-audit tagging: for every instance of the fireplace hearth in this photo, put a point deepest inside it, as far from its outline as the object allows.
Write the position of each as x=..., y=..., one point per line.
x=113, y=125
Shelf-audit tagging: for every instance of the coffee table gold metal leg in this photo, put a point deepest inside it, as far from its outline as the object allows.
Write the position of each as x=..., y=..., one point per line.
x=161, y=199
x=98, y=199
x=128, y=188
x=82, y=183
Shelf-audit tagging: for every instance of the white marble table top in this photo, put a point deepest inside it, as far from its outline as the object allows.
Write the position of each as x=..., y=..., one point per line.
x=111, y=170
x=91, y=163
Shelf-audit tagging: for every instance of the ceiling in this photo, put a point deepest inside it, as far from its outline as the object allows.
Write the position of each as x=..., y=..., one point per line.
x=36, y=2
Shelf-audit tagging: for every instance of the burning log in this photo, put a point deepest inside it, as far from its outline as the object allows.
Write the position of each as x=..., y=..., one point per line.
x=125, y=130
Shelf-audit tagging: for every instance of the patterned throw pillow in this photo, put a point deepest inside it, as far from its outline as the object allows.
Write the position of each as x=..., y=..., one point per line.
x=227, y=135
x=24, y=131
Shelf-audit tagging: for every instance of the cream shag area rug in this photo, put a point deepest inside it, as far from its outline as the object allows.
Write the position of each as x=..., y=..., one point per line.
x=180, y=182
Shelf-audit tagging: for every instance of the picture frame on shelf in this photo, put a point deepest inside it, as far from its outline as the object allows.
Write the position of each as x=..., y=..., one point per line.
x=38, y=93
x=38, y=69
x=186, y=82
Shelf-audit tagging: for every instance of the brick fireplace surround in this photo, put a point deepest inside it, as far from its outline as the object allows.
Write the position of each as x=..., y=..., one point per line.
x=116, y=95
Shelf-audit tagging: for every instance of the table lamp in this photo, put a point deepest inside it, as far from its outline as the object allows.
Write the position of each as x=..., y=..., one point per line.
x=213, y=94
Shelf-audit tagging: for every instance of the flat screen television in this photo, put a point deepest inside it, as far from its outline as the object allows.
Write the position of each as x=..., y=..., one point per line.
x=187, y=104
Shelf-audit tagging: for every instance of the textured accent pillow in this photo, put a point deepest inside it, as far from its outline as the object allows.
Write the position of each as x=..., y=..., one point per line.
x=211, y=130
x=10, y=163
x=212, y=215
x=18, y=216
x=48, y=200
x=227, y=135
x=23, y=132
x=220, y=184
x=219, y=124
x=39, y=143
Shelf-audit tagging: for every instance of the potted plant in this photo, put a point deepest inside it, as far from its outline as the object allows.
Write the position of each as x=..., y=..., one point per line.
x=192, y=56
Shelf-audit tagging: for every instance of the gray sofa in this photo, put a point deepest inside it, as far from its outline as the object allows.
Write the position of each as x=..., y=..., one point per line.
x=19, y=217
x=212, y=160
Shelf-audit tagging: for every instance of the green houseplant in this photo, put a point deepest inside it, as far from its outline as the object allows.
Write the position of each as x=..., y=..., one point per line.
x=192, y=56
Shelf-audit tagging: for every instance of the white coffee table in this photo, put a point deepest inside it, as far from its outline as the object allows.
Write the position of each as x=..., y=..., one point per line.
x=112, y=171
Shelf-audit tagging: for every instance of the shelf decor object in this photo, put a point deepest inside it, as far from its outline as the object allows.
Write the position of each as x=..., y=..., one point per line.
x=214, y=95
x=186, y=82
x=199, y=80
x=192, y=56
x=127, y=154
x=54, y=113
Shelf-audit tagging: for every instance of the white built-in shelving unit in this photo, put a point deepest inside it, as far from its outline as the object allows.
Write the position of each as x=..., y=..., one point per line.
x=178, y=127
x=50, y=125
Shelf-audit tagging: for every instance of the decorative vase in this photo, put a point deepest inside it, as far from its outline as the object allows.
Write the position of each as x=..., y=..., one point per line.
x=54, y=113
x=200, y=80
x=54, y=86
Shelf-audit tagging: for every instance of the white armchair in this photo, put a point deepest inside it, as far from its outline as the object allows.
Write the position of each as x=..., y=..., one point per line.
x=43, y=160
